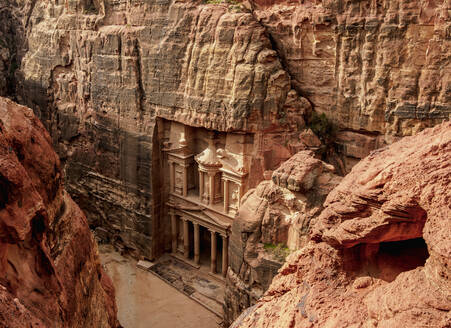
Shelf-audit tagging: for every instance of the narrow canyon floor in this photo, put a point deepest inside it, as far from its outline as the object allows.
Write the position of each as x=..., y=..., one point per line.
x=145, y=301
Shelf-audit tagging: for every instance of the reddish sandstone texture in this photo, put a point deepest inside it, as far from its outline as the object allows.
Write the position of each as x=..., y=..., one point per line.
x=380, y=253
x=50, y=274
x=273, y=219
x=379, y=70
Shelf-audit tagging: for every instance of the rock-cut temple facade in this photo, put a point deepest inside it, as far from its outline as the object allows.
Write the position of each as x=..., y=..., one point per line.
x=205, y=176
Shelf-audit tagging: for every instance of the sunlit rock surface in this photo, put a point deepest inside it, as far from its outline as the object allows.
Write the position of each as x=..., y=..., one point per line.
x=380, y=254
x=274, y=219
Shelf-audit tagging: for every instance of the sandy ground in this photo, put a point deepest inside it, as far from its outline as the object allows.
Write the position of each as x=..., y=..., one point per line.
x=145, y=301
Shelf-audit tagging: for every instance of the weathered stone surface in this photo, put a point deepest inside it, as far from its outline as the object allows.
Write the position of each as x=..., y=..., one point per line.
x=380, y=254
x=371, y=66
x=273, y=219
x=99, y=87
x=4, y=66
x=299, y=172
x=5, y=53
x=50, y=275
x=98, y=73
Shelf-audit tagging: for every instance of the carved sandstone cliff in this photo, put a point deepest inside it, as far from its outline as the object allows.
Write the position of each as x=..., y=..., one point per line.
x=100, y=87
x=273, y=220
x=99, y=72
x=50, y=275
x=380, y=254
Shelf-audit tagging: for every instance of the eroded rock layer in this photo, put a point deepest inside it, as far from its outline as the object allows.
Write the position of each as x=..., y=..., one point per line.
x=50, y=275
x=379, y=69
x=100, y=72
x=274, y=219
x=380, y=254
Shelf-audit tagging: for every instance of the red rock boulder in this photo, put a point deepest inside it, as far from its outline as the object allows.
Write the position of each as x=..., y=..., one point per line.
x=50, y=275
x=380, y=252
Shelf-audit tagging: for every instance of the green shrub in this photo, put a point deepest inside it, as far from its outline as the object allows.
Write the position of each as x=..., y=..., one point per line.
x=323, y=128
x=234, y=5
x=90, y=9
x=279, y=251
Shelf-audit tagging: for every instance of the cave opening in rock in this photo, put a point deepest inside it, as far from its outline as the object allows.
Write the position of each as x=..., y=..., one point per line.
x=4, y=191
x=387, y=260
x=405, y=255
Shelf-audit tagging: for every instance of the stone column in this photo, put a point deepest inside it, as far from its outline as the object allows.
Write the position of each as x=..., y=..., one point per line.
x=185, y=181
x=211, y=196
x=201, y=185
x=174, y=232
x=171, y=176
x=185, y=238
x=213, y=252
x=226, y=196
x=196, y=243
x=225, y=254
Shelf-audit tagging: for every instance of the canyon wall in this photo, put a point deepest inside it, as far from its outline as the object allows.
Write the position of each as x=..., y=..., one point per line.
x=50, y=274
x=379, y=253
x=378, y=69
x=99, y=72
x=273, y=220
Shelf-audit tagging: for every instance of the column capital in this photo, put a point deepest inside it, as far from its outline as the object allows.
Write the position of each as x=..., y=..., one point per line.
x=184, y=219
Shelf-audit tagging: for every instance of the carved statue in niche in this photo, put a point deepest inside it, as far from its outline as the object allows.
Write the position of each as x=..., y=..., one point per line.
x=180, y=159
x=180, y=236
x=233, y=174
x=234, y=198
x=210, y=190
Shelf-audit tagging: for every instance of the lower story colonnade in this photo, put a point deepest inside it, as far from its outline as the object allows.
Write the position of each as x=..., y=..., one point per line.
x=188, y=238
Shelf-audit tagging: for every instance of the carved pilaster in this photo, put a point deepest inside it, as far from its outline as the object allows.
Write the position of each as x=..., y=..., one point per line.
x=225, y=254
x=213, y=252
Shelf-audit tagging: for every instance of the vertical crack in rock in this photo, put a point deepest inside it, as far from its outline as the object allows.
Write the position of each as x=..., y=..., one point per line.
x=141, y=98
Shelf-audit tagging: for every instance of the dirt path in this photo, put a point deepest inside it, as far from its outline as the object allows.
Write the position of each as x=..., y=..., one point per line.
x=144, y=301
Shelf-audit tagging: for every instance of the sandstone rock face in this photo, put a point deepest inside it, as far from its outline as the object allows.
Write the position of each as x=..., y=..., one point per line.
x=380, y=254
x=377, y=68
x=273, y=219
x=5, y=50
x=4, y=67
x=99, y=72
x=99, y=88
x=50, y=275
